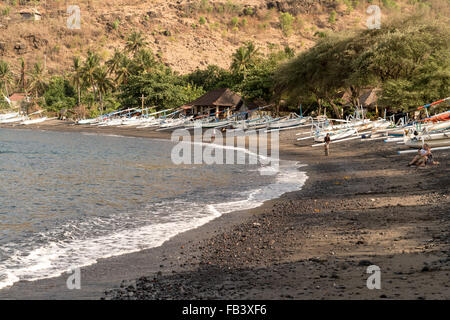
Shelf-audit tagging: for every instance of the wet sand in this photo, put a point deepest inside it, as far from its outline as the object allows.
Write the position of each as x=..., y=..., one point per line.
x=360, y=206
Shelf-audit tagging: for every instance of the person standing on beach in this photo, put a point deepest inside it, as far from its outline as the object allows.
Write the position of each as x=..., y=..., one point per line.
x=327, y=141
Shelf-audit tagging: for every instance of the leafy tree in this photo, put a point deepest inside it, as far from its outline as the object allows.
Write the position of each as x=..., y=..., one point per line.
x=162, y=88
x=408, y=59
x=59, y=95
x=213, y=77
x=258, y=85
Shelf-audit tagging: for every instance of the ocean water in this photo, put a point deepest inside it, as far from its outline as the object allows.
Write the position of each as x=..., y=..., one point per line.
x=68, y=199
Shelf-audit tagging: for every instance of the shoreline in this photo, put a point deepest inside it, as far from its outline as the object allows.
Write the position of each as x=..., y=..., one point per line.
x=309, y=244
x=64, y=127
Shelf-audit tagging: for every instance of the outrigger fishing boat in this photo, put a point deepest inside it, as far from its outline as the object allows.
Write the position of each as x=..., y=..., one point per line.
x=207, y=124
x=335, y=135
x=34, y=121
x=254, y=124
x=14, y=119
x=6, y=116
x=292, y=120
x=433, y=140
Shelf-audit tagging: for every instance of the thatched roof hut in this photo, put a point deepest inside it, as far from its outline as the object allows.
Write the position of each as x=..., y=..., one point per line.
x=216, y=101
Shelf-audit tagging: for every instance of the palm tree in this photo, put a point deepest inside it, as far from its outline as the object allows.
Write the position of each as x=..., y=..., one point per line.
x=89, y=68
x=123, y=71
x=77, y=76
x=114, y=63
x=243, y=58
x=22, y=83
x=135, y=42
x=144, y=60
x=102, y=82
x=38, y=82
x=6, y=76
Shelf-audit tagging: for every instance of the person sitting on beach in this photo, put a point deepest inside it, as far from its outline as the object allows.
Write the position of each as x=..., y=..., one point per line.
x=423, y=157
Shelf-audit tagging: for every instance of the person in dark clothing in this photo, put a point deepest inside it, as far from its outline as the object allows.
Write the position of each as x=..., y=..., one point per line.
x=327, y=141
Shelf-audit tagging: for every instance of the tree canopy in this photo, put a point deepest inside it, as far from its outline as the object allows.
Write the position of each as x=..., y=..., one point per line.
x=408, y=59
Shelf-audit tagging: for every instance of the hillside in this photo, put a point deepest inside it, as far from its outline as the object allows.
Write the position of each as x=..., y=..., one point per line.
x=184, y=34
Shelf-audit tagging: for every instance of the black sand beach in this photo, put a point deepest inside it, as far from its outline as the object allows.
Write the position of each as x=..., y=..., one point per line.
x=360, y=206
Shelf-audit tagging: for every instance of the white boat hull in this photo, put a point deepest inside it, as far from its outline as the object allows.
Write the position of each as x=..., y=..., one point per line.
x=35, y=121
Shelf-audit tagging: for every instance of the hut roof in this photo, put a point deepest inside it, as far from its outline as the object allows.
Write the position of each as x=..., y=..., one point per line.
x=369, y=97
x=218, y=97
x=18, y=97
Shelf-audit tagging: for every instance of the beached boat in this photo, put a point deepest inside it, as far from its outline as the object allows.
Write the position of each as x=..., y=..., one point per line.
x=13, y=120
x=439, y=126
x=287, y=123
x=254, y=124
x=439, y=117
x=172, y=124
x=88, y=121
x=6, y=116
x=433, y=140
x=33, y=121
x=150, y=123
x=110, y=122
x=335, y=135
x=207, y=125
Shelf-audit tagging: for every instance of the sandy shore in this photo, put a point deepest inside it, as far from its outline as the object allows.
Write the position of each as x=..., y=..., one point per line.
x=360, y=206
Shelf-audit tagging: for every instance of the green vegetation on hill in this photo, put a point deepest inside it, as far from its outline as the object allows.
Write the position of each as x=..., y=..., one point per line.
x=408, y=59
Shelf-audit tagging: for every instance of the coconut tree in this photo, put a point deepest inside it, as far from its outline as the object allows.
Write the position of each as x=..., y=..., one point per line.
x=144, y=61
x=77, y=76
x=22, y=82
x=102, y=82
x=244, y=58
x=89, y=68
x=114, y=62
x=38, y=80
x=123, y=71
x=135, y=41
x=6, y=76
